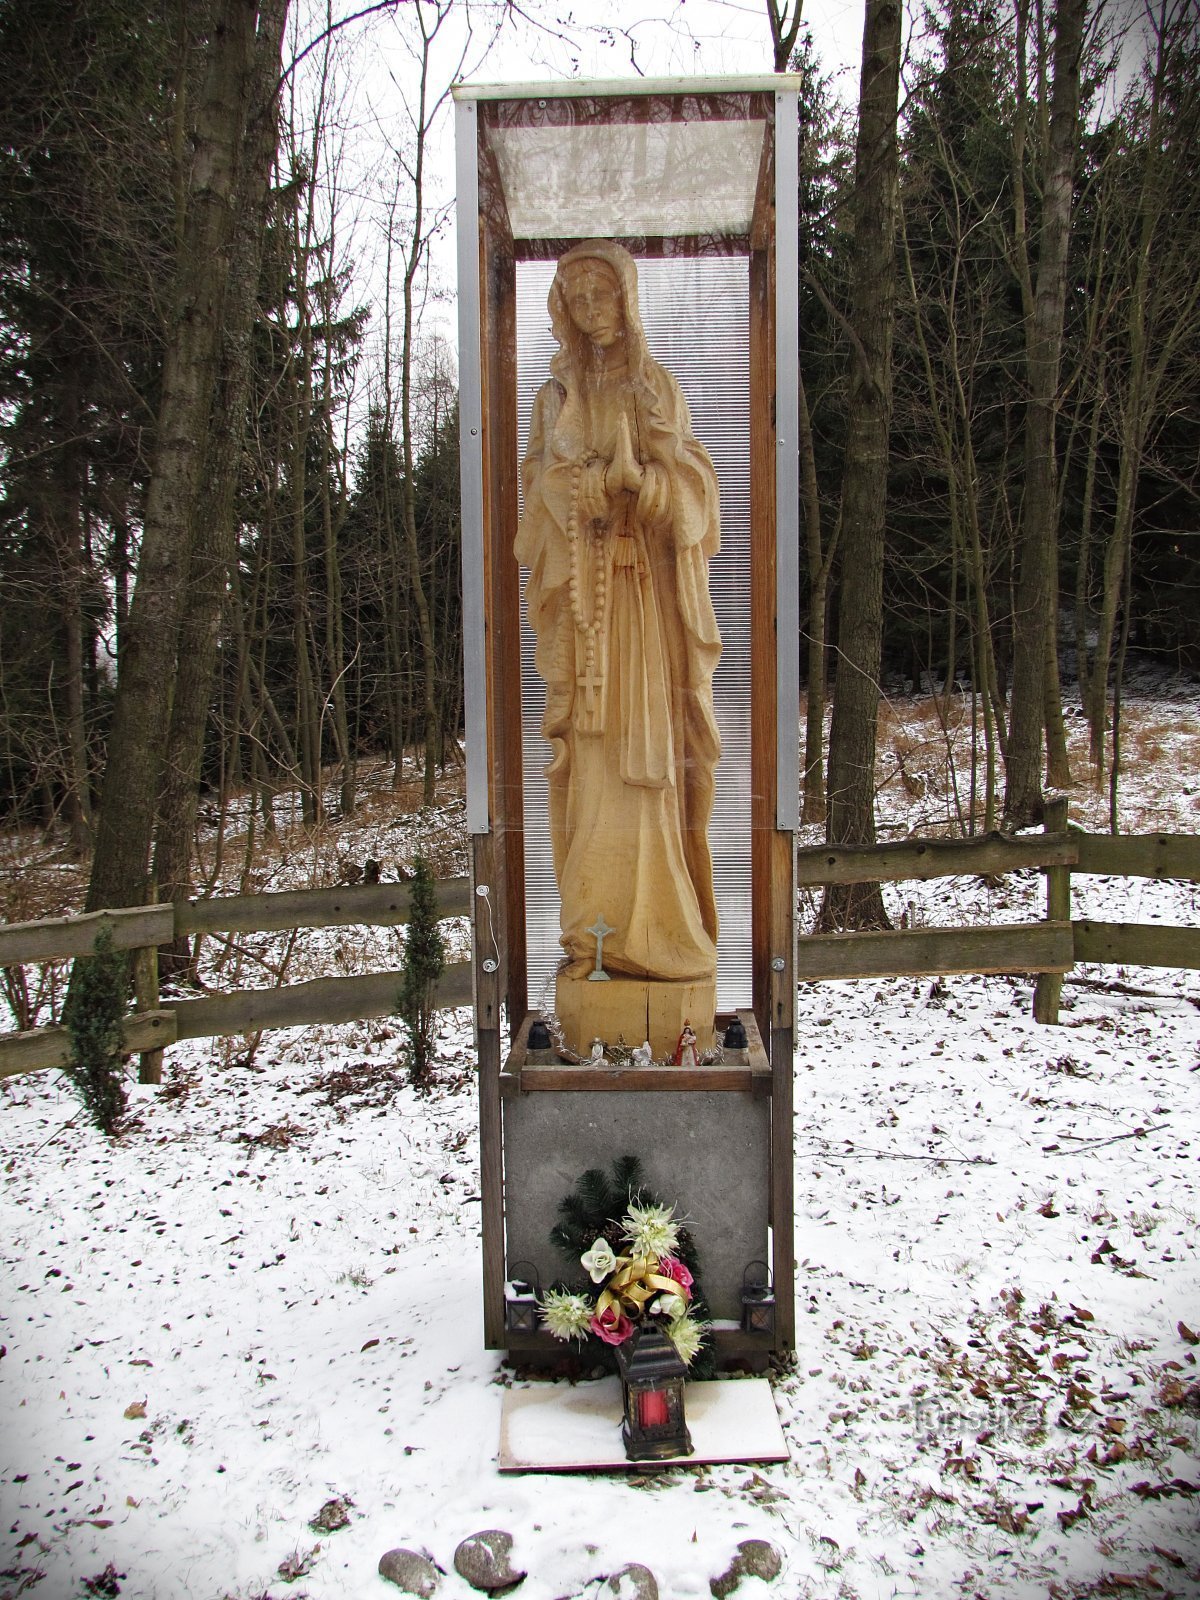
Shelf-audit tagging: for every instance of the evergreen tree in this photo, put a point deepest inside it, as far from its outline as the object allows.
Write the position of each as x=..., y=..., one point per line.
x=94, y=1015
x=85, y=228
x=424, y=963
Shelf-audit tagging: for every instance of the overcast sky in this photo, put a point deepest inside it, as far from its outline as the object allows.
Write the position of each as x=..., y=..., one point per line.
x=374, y=81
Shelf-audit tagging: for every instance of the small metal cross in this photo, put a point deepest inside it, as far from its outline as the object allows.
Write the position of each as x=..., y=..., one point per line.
x=601, y=930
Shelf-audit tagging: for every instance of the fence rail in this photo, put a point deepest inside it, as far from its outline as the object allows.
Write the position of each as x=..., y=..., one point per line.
x=381, y=905
x=1157, y=855
x=1153, y=855
x=54, y=938
x=918, y=859
x=927, y=952
x=1049, y=948
x=1132, y=944
x=141, y=929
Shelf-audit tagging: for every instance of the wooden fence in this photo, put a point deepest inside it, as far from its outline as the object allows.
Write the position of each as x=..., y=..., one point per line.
x=141, y=930
x=1048, y=948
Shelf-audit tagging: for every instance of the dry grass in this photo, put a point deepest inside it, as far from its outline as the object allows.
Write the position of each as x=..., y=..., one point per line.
x=390, y=824
x=36, y=880
x=924, y=760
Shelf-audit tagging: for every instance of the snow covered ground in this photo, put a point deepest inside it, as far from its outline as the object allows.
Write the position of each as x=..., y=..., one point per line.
x=264, y=1297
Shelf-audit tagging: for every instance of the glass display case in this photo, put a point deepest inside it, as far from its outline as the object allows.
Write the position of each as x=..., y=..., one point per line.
x=693, y=183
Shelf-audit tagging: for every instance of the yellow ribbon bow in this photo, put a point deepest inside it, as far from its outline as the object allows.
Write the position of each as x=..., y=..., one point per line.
x=636, y=1280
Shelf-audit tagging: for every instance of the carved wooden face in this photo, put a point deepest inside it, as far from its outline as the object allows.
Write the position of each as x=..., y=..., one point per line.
x=593, y=298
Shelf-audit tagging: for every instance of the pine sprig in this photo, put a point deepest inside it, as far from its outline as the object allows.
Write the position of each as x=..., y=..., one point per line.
x=423, y=965
x=597, y=1199
x=627, y=1177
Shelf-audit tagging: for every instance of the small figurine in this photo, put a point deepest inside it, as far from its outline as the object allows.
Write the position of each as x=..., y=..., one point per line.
x=686, y=1053
x=601, y=930
x=643, y=1055
x=598, y=1053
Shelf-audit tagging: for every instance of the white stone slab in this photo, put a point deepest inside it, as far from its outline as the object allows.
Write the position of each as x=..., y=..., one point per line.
x=560, y=1428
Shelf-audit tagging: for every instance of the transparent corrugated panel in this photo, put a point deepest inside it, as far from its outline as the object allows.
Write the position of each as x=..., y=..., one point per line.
x=629, y=178
x=696, y=316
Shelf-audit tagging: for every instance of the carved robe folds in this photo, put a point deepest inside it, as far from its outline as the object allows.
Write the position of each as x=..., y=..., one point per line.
x=621, y=518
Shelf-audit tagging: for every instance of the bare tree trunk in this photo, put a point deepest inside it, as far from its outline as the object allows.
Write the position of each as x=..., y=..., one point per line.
x=784, y=29
x=118, y=497
x=394, y=628
x=864, y=484
x=68, y=539
x=819, y=563
x=1058, y=762
x=1119, y=679
x=414, y=255
x=1037, y=582
x=1084, y=557
x=135, y=745
x=308, y=729
x=335, y=647
x=214, y=541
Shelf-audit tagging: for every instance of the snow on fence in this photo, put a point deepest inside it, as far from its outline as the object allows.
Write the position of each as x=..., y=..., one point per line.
x=1048, y=948
x=142, y=929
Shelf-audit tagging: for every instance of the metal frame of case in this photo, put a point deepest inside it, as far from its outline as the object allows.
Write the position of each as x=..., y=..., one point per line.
x=488, y=252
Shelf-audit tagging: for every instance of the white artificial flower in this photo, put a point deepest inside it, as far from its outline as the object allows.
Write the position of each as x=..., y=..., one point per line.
x=671, y=1306
x=566, y=1315
x=685, y=1334
x=599, y=1261
x=650, y=1230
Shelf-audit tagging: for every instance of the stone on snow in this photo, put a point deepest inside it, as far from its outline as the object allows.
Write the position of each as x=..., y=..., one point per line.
x=632, y=1582
x=755, y=1558
x=414, y=1571
x=483, y=1560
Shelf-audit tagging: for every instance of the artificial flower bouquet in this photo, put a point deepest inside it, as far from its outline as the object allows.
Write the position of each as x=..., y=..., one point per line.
x=640, y=1262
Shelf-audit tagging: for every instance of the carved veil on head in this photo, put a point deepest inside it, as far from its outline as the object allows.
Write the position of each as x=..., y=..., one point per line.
x=577, y=365
x=576, y=355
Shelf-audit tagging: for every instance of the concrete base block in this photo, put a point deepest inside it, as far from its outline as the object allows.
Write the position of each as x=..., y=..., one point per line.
x=706, y=1153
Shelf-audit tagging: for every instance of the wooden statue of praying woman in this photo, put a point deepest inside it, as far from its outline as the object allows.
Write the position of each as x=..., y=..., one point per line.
x=621, y=520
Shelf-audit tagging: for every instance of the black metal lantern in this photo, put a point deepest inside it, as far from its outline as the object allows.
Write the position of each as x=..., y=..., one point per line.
x=758, y=1300
x=652, y=1374
x=521, y=1299
x=735, y=1046
x=539, y=1048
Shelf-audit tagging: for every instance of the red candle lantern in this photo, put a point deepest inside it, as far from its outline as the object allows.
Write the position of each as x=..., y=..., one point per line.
x=652, y=1374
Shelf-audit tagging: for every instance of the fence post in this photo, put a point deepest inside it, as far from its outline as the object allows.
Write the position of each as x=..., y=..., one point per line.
x=1048, y=989
x=145, y=994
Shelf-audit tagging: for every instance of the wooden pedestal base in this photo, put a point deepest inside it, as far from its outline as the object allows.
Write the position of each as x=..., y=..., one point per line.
x=635, y=1009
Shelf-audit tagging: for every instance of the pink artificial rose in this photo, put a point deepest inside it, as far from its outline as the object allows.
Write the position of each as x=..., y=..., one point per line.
x=613, y=1326
x=671, y=1268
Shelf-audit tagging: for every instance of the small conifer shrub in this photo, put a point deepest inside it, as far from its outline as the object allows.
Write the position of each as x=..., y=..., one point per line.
x=93, y=1015
x=424, y=963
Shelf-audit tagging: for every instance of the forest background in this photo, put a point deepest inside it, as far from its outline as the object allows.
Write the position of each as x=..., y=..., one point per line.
x=229, y=525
